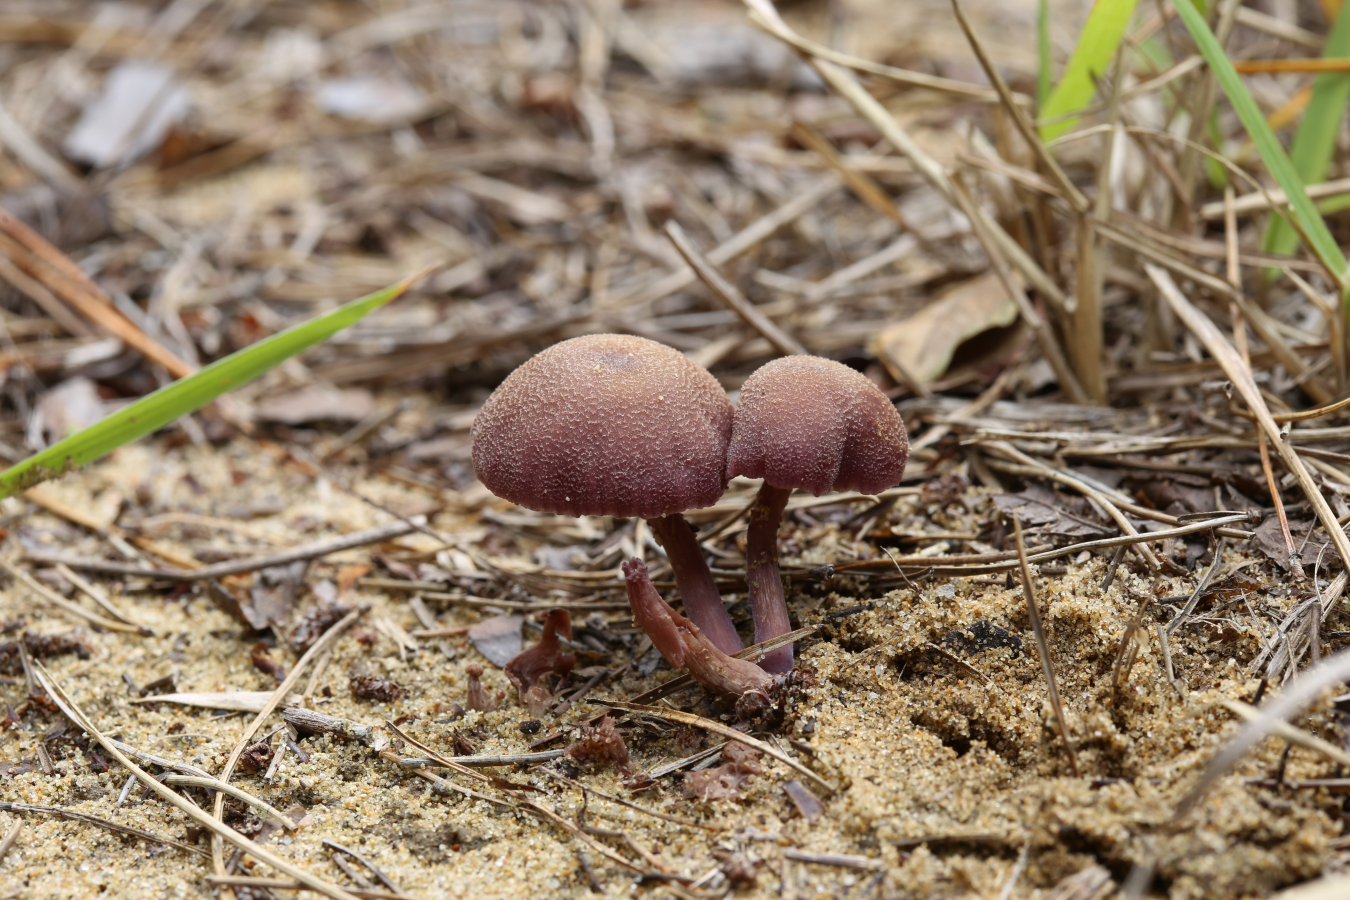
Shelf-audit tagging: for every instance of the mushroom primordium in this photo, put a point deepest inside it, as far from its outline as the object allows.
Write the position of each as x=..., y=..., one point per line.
x=815, y=424
x=615, y=425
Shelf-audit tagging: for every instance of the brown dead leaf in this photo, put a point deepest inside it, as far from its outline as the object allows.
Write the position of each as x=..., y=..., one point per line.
x=922, y=345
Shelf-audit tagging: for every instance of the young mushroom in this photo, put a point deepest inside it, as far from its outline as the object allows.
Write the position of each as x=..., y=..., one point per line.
x=615, y=425
x=810, y=423
x=684, y=645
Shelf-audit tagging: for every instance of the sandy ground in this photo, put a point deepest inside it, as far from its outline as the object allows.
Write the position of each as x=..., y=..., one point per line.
x=944, y=753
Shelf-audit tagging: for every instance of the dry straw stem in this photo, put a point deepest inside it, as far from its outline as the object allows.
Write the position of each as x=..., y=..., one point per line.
x=1288, y=733
x=1086, y=490
x=97, y=822
x=288, y=884
x=239, y=566
x=729, y=295
x=214, y=784
x=1333, y=670
x=1045, y=335
x=726, y=731
x=638, y=298
x=764, y=16
x=1241, y=377
x=56, y=599
x=899, y=76
x=64, y=278
x=292, y=679
x=1261, y=201
x=1042, y=646
x=860, y=183
x=1076, y=199
x=191, y=810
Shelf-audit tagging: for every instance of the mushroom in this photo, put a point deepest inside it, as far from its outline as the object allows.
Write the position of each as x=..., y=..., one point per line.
x=615, y=425
x=684, y=645
x=528, y=668
x=810, y=423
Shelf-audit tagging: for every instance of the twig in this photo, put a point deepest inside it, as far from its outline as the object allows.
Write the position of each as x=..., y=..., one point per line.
x=215, y=784
x=728, y=294
x=684, y=718
x=688, y=823
x=95, y=821
x=56, y=599
x=384, y=879
x=486, y=761
x=193, y=812
x=1042, y=646
x=236, y=566
x=10, y=838
x=287, y=884
x=838, y=860
x=278, y=695
x=94, y=594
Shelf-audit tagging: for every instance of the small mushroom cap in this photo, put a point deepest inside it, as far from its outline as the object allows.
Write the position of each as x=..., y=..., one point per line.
x=812, y=423
x=605, y=425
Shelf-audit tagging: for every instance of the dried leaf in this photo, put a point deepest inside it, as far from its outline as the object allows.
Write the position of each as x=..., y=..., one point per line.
x=498, y=638
x=923, y=345
x=140, y=102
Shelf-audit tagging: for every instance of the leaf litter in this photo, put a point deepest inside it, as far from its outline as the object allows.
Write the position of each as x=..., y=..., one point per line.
x=244, y=175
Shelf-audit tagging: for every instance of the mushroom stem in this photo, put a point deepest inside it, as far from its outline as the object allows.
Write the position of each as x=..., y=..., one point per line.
x=683, y=644
x=702, y=602
x=762, y=575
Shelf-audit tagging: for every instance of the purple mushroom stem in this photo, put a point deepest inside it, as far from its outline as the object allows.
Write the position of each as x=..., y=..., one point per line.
x=702, y=602
x=762, y=576
x=683, y=643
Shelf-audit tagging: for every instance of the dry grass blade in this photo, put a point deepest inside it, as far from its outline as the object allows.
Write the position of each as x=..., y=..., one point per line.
x=726, y=731
x=214, y=784
x=763, y=15
x=1019, y=116
x=192, y=811
x=64, y=278
x=1042, y=647
x=1205, y=579
x=860, y=183
x=1045, y=335
x=1334, y=670
x=56, y=599
x=283, y=689
x=726, y=292
x=97, y=822
x=1241, y=377
x=238, y=566
x=1288, y=733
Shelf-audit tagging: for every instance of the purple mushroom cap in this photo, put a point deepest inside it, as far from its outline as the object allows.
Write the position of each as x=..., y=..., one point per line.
x=815, y=424
x=605, y=424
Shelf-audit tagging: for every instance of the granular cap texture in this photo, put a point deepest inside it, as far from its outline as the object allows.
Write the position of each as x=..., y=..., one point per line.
x=812, y=423
x=605, y=424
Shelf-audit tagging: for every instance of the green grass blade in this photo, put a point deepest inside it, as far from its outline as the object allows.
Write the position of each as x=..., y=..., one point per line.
x=1315, y=139
x=156, y=410
x=1097, y=46
x=1044, y=62
x=1272, y=153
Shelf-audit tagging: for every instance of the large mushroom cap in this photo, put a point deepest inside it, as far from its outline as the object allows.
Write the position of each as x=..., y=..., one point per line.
x=812, y=423
x=605, y=424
